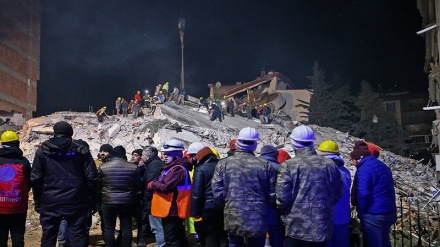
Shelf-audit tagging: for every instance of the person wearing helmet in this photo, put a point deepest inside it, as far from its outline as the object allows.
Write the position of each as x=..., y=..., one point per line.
x=208, y=216
x=153, y=165
x=56, y=197
x=245, y=186
x=135, y=108
x=204, y=102
x=232, y=147
x=216, y=153
x=231, y=106
x=193, y=149
x=174, y=173
x=265, y=111
x=101, y=114
x=15, y=185
x=161, y=97
x=158, y=88
x=341, y=235
x=373, y=195
x=216, y=112
x=118, y=105
x=318, y=186
x=165, y=90
x=124, y=107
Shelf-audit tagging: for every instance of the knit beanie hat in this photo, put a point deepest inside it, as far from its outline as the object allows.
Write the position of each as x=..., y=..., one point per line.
x=119, y=152
x=360, y=150
x=269, y=151
x=203, y=152
x=374, y=149
x=283, y=156
x=63, y=128
x=232, y=144
x=106, y=148
x=137, y=151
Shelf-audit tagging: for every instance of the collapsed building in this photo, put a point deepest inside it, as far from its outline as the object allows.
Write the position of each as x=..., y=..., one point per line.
x=415, y=183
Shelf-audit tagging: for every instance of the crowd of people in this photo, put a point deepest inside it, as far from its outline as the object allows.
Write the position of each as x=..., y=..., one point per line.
x=242, y=198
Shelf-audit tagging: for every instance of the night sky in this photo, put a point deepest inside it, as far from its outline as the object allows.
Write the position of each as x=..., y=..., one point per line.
x=94, y=51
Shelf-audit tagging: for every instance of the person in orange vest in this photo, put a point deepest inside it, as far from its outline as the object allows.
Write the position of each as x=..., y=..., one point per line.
x=174, y=173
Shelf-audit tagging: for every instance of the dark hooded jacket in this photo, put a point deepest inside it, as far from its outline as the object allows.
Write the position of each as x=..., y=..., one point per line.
x=174, y=178
x=15, y=170
x=64, y=175
x=201, y=193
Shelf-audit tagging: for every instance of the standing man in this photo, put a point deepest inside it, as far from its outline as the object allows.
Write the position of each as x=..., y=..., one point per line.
x=153, y=165
x=341, y=229
x=231, y=106
x=245, y=186
x=373, y=196
x=308, y=187
x=120, y=184
x=174, y=173
x=55, y=196
x=138, y=98
x=208, y=217
x=118, y=105
x=165, y=90
x=15, y=185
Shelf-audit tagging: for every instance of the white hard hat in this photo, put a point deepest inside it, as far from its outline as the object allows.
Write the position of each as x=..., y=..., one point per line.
x=172, y=145
x=195, y=147
x=248, y=133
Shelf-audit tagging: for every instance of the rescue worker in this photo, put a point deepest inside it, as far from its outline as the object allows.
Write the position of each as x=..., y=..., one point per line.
x=204, y=103
x=265, y=111
x=147, y=100
x=175, y=172
x=138, y=98
x=56, y=197
x=154, y=103
x=15, y=185
x=317, y=184
x=157, y=90
x=135, y=108
x=341, y=231
x=232, y=147
x=101, y=114
x=124, y=108
x=245, y=186
x=231, y=105
x=118, y=105
x=175, y=93
x=165, y=90
x=216, y=113
x=161, y=97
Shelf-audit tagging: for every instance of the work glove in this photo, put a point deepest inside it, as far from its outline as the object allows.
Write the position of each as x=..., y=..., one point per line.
x=197, y=219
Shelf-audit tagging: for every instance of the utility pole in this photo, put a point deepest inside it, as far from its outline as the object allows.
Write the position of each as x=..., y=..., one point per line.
x=181, y=27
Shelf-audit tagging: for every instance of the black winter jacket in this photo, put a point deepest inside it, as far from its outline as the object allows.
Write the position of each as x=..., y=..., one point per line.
x=64, y=175
x=153, y=168
x=201, y=193
x=120, y=182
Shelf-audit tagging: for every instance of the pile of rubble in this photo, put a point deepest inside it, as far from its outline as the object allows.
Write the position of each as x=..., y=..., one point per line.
x=172, y=121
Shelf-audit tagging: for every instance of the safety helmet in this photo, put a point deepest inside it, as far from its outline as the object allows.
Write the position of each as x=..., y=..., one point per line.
x=195, y=147
x=232, y=144
x=166, y=82
x=328, y=146
x=119, y=98
x=9, y=136
x=248, y=133
x=172, y=145
x=265, y=104
x=214, y=151
x=201, y=97
x=105, y=107
x=138, y=92
x=160, y=91
x=160, y=85
x=303, y=133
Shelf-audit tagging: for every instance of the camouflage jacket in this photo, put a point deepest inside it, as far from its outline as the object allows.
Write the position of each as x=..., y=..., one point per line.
x=245, y=185
x=308, y=187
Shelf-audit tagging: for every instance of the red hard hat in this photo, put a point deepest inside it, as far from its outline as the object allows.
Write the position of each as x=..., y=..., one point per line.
x=232, y=144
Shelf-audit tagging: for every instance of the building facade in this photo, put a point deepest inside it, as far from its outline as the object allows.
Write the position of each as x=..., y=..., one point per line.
x=19, y=55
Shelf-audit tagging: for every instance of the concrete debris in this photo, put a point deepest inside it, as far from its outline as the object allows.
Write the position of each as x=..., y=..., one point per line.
x=412, y=179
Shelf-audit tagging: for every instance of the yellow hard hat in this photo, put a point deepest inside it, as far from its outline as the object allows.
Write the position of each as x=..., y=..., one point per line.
x=160, y=91
x=9, y=136
x=328, y=146
x=166, y=83
x=119, y=98
x=265, y=104
x=105, y=107
x=201, y=97
x=139, y=92
x=214, y=151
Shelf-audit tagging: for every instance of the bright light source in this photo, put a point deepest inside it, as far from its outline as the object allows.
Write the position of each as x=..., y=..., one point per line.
x=146, y=91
